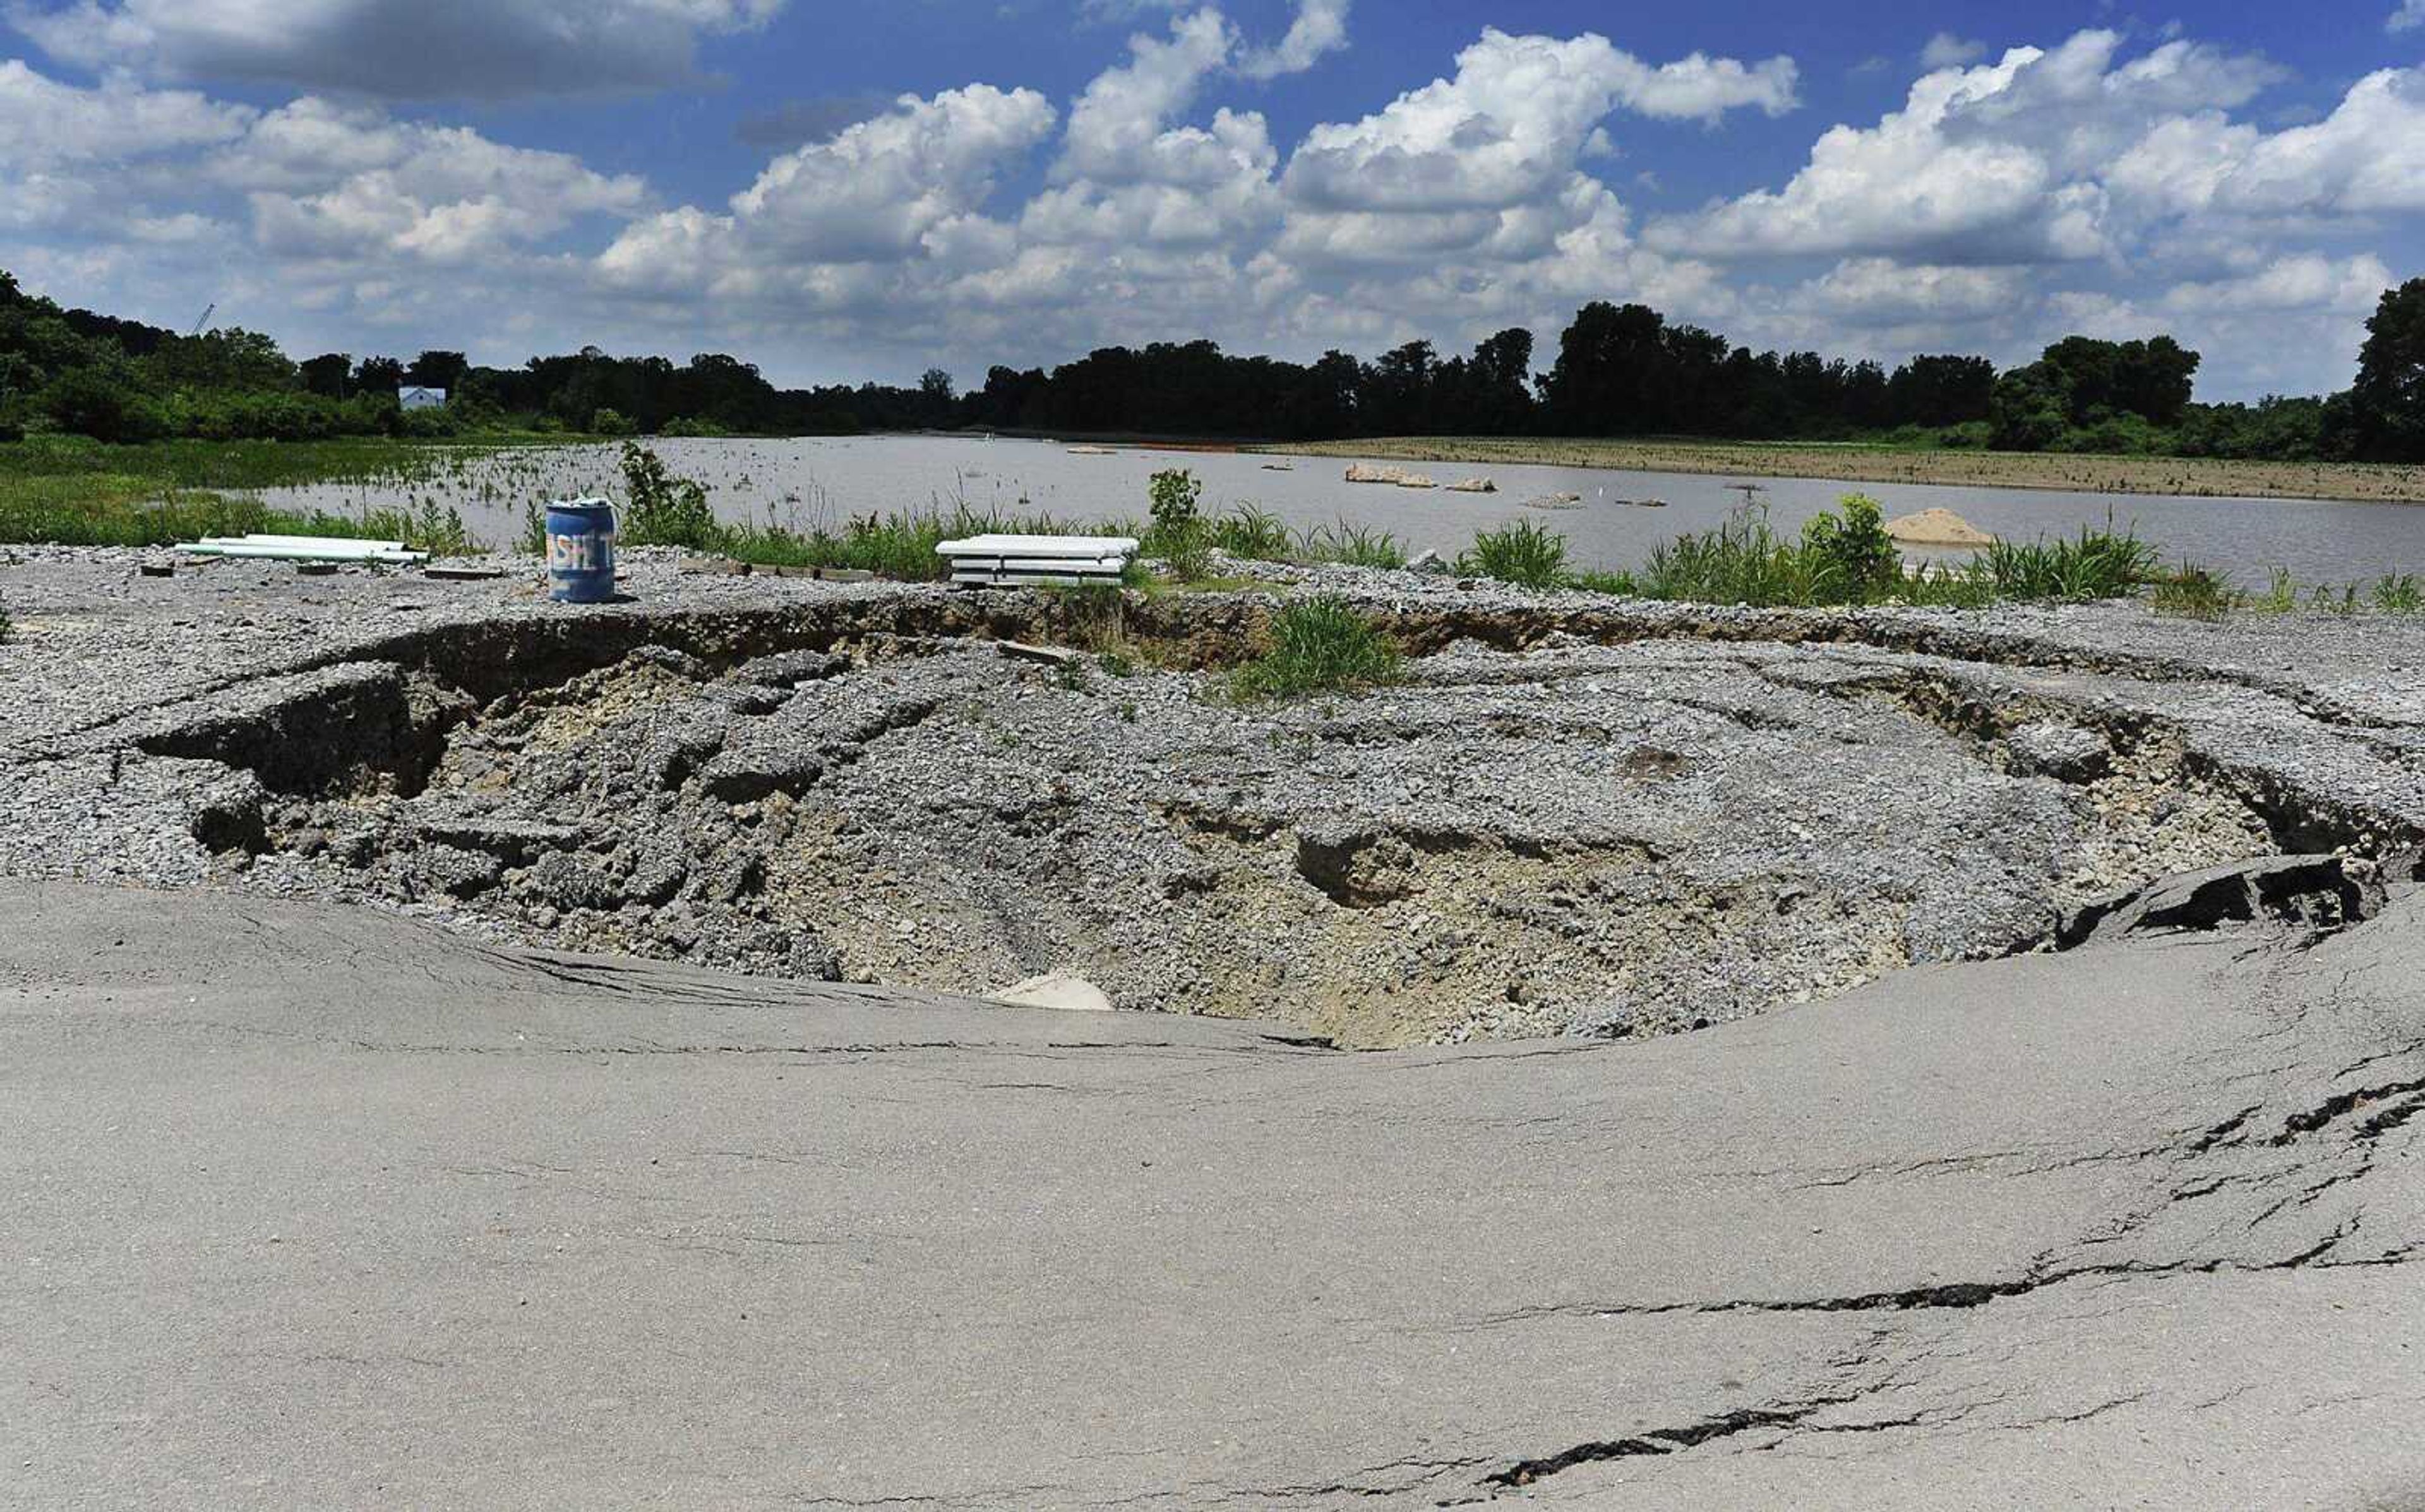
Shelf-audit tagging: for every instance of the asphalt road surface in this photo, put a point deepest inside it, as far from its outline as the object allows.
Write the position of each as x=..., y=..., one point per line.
x=317, y=1207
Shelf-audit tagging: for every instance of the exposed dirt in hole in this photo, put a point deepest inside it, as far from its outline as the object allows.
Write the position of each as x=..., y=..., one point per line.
x=1570, y=839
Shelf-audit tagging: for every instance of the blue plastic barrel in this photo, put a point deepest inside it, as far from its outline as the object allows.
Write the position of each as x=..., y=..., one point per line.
x=581, y=550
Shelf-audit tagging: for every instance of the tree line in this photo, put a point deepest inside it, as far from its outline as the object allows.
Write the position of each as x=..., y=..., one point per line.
x=1619, y=370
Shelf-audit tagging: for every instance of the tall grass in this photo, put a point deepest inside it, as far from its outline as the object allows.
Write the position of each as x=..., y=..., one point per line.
x=2096, y=563
x=1522, y=553
x=1319, y=645
x=105, y=510
x=1742, y=562
x=897, y=545
x=1251, y=532
x=240, y=466
x=2194, y=593
x=1839, y=557
x=1356, y=546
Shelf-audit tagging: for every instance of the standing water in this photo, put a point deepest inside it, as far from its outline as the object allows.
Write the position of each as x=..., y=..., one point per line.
x=1609, y=522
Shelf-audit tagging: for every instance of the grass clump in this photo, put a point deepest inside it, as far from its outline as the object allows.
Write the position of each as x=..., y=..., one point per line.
x=1252, y=532
x=2096, y=563
x=1845, y=557
x=428, y=528
x=1742, y=562
x=2194, y=593
x=1319, y=645
x=1354, y=546
x=1522, y=553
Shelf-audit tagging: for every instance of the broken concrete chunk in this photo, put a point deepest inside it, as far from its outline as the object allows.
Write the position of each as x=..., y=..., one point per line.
x=1056, y=989
x=228, y=815
x=458, y=872
x=2064, y=752
x=2313, y=891
x=789, y=669
x=1051, y=656
x=518, y=841
x=563, y=880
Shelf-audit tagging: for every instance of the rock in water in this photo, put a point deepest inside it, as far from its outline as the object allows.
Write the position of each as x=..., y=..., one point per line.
x=1362, y=473
x=1054, y=989
x=1937, y=526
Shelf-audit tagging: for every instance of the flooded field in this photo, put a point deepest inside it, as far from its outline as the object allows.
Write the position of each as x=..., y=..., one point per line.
x=1610, y=518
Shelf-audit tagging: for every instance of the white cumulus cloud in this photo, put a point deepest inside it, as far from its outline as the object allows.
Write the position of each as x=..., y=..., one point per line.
x=1319, y=30
x=2003, y=163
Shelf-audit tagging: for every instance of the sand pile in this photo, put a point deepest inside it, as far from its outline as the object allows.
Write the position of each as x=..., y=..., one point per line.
x=1937, y=526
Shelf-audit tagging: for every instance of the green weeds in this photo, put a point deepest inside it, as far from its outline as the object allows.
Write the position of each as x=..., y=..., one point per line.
x=1319, y=645
x=1522, y=553
x=2194, y=593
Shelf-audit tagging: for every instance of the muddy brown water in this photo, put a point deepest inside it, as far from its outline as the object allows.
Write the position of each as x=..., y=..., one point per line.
x=810, y=482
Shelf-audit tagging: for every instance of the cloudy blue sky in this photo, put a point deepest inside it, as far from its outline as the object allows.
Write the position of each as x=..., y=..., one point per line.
x=849, y=190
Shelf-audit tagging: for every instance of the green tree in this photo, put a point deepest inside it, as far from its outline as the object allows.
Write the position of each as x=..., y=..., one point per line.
x=328, y=374
x=438, y=370
x=2033, y=408
x=379, y=375
x=2386, y=416
x=108, y=408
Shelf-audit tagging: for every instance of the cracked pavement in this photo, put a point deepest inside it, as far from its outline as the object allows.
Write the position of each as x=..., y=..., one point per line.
x=315, y=1204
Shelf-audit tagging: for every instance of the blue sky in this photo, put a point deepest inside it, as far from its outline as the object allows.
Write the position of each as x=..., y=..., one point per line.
x=843, y=191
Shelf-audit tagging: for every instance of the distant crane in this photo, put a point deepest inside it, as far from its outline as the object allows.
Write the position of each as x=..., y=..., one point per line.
x=208, y=311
